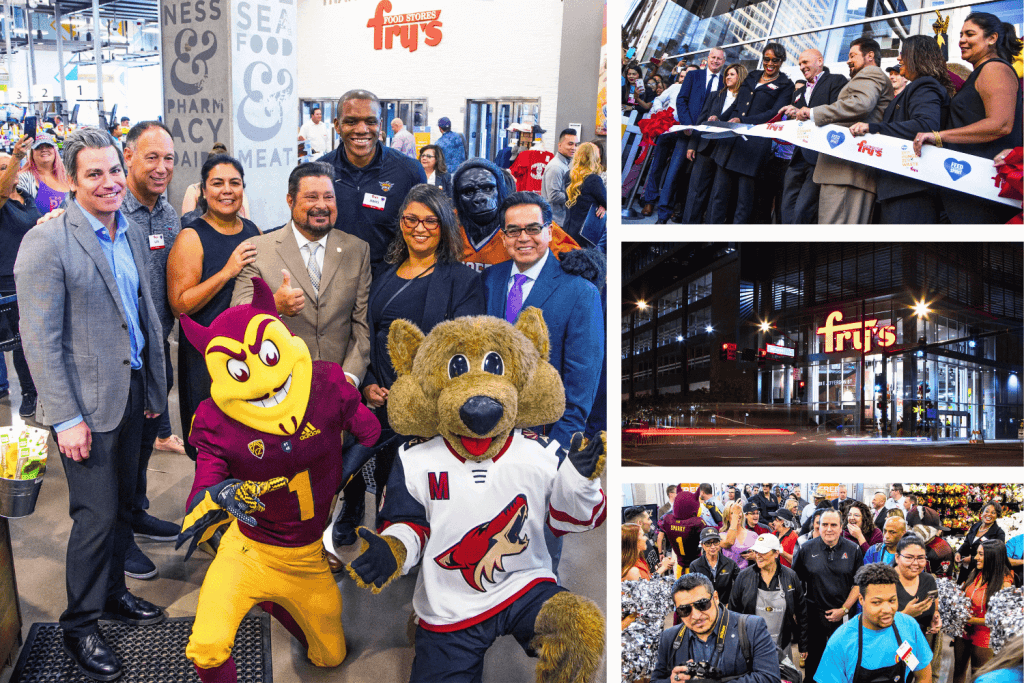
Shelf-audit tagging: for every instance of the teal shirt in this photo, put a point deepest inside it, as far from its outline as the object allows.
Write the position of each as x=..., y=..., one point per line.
x=840, y=658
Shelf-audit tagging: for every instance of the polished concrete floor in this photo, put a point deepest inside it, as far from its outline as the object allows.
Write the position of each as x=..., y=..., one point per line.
x=375, y=625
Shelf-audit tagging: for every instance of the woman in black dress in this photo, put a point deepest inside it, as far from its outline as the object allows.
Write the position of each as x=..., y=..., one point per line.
x=985, y=116
x=741, y=162
x=426, y=284
x=985, y=529
x=922, y=106
x=206, y=257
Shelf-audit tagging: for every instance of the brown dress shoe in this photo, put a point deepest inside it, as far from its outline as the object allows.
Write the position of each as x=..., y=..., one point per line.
x=648, y=209
x=334, y=563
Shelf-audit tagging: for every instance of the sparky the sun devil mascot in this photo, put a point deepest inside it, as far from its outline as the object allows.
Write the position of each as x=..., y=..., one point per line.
x=468, y=500
x=269, y=442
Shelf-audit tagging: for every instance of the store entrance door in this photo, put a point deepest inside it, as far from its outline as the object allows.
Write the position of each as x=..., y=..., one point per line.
x=487, y=123
x=954, y=424
x=327, y=105
x=413, y=113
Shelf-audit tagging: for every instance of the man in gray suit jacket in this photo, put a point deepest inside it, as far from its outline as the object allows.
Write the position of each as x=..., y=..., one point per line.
x=93, y=342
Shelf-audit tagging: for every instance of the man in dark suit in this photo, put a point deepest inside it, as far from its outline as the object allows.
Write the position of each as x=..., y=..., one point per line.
x=800, y=195
x=878, y=509
x=837, y=503
x=696, y=88
x=571, y=306
x=572, y=311
x=94, y=343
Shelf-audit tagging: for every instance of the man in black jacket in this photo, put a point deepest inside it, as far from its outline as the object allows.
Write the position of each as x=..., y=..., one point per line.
x=711, y=635
x=713, y=564
x=800, y=195
x=826, y=566
x=370, y=180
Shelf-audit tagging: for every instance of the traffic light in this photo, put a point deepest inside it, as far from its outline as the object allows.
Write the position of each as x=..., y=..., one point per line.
x=727, y=352
x=762, y=356
x=801, y=389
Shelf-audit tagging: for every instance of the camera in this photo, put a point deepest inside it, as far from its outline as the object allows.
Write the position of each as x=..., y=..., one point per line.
x=702, y=670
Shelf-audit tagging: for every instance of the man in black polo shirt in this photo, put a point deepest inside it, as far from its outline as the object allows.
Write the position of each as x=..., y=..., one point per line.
x=371, y=180
x=826, y=566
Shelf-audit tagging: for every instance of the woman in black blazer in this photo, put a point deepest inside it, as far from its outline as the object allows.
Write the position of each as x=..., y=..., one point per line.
x=425, y=284
x=922, y=106
x=432, y=159
x=740, y=161
x=984, y=529
x=700, y=150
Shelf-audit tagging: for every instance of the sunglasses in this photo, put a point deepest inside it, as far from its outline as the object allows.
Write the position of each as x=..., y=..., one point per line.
x=702, y=605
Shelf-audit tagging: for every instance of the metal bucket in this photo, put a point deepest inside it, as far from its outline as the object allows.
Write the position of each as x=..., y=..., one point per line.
x=18, y=496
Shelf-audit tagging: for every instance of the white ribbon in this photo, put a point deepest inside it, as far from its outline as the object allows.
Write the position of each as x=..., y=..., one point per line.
x=938, y=166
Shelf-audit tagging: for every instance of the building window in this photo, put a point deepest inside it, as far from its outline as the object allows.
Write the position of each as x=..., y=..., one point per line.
x=697, y=322
x=642, y=343
x=487, y=123
x=670, y=332
x=699, y=288
x=671, y=301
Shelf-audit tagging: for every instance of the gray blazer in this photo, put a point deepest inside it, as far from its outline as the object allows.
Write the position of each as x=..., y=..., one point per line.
x=74, y=328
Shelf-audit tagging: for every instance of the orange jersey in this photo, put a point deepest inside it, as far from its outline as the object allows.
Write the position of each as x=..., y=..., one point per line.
x=493, y=250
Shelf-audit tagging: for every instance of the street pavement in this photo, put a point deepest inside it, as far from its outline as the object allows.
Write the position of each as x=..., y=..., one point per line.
x=797, y=449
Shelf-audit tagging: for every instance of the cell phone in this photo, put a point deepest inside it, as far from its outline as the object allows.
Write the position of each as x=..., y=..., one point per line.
x=30, y=126
x=934, y=593
x=630, y=52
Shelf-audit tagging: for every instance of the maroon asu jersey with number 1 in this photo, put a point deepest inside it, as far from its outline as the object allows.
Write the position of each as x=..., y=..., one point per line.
x=310, y=458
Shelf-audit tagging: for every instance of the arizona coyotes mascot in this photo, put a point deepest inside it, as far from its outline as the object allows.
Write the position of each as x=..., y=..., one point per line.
x=469, y=499
x=270, y=457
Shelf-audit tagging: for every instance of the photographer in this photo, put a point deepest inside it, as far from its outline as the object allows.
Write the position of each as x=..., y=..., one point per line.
x=709, y=644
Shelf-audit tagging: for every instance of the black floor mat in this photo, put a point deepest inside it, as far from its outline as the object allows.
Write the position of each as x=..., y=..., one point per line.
x=149, y=654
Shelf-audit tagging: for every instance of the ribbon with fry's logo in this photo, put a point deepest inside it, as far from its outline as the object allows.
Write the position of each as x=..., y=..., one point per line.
x=937, y=165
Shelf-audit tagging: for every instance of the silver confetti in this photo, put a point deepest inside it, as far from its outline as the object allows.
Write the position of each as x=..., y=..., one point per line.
x=649, y=601
x=954, y=608
x=1005, y=616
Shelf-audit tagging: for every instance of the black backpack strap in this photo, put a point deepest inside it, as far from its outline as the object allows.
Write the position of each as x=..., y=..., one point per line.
x=745, y=643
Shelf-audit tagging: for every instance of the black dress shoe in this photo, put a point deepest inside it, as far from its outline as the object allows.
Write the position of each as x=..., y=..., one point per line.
x=28, y=406
x=133, y=610
x=93, y=657
x=344, y=531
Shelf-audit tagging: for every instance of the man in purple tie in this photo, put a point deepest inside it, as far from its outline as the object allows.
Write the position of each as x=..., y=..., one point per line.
x=572, y=311
x=571, y=306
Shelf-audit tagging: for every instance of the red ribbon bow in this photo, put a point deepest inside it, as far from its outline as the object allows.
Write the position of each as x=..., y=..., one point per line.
x=653, y=127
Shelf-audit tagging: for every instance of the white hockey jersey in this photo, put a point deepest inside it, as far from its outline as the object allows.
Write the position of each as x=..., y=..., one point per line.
x=478, y=527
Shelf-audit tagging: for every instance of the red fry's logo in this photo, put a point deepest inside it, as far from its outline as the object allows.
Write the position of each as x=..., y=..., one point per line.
x=406, y=26
x=481, y=551
x=864, y=147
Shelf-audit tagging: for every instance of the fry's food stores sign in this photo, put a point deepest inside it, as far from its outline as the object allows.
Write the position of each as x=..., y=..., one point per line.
x=405, y=26
x=859, y=333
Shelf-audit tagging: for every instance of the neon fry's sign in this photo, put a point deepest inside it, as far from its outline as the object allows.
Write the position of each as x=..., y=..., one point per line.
x=859, y=333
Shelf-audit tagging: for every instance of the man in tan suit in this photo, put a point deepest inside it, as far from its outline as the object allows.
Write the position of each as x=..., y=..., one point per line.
x=321, y=296
x=847, y=188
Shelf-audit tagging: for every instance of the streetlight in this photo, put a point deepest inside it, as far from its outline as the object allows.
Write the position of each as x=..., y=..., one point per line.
x=642, y=305
x=709, y=329
x=765, y=326
x=921, y=309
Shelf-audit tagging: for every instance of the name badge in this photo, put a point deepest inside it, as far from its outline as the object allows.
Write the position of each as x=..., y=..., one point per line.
x=374, y=201
x=156, y=242
x=772, y=86
x=905, y=653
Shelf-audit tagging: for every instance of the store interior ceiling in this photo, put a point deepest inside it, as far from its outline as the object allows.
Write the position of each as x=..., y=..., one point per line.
x=136, y=39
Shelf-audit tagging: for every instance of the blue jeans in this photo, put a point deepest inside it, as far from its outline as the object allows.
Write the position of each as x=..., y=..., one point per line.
x=666, y=200
x=662, y=152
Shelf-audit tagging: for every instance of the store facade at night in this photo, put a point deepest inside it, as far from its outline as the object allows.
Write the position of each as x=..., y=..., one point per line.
x=899, y=338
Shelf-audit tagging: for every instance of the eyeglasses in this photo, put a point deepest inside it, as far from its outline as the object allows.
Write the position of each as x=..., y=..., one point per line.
x=713, y=541
x=773, y=60
x=702, y=605
x=410, y=222
x=531, y=229
x=914, y=558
